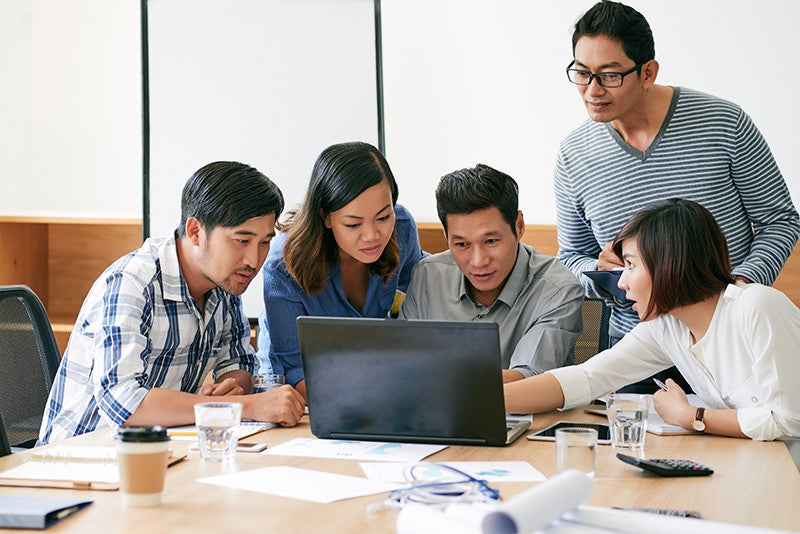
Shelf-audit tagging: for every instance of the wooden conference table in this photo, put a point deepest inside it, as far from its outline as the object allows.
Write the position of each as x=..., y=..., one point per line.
x=754, y=483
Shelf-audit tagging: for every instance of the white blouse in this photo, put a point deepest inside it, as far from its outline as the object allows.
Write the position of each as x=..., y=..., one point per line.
x=749, y=360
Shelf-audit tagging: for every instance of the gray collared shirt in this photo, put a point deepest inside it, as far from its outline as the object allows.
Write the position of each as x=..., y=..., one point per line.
x=538, y=310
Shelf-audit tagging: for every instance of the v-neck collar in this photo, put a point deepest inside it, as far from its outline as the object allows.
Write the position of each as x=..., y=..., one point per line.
x=642, y=156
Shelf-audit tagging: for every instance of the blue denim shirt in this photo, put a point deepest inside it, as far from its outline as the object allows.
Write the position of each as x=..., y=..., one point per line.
x=285, y=301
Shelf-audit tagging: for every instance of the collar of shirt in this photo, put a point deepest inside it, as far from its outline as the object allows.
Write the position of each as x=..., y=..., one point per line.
x=172, y=282
x=513, y=286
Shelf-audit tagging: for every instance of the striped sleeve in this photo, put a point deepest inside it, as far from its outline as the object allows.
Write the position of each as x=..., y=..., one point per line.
x=767, y=202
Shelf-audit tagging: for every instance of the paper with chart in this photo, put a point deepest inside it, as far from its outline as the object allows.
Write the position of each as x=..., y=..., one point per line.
x=488, y=471
x=372, y=451
x=305, y=484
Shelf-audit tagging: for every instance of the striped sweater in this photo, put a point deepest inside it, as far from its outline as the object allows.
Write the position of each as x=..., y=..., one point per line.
x=708, y=150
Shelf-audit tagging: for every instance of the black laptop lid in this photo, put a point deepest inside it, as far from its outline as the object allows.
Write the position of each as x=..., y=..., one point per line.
x=394, y=380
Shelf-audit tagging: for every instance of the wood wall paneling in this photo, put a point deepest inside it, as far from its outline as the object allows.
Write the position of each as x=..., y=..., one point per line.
x=77, y=255
x=23, y=256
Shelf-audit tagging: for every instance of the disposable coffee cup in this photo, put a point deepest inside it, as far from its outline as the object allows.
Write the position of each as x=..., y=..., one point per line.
x=142, y=454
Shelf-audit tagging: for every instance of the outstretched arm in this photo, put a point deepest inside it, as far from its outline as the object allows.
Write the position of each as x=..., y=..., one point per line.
x=540, y=393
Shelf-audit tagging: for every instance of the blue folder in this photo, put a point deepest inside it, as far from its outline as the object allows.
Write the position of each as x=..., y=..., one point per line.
x=36, y=512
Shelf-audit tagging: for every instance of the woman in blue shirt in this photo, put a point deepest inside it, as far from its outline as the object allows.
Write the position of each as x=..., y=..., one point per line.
x=343, y=253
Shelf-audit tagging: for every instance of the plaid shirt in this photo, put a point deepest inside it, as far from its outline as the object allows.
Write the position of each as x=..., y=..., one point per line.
x=139, y=329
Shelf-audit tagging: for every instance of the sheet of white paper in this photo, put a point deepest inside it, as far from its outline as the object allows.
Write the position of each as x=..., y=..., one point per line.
x=305, y=484
x=374, y=451
x=189, y=432
x=489, y=471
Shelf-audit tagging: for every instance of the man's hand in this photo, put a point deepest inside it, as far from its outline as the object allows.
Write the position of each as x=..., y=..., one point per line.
x=607, y=260
x=282, y=405
x=228, y=386
x=673, y=406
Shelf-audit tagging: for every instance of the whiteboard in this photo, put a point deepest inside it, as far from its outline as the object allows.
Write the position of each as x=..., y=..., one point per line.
x=270, y=83
x=484, y=81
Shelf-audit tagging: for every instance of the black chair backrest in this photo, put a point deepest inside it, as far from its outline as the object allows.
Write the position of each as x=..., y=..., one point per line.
x=29, y=359
x=5, y=449
x=594, y=338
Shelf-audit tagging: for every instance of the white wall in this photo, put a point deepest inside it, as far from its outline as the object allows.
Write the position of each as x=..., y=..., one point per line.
x=15, y=97
x=269, y=83
x=465, y=81
x=74, y=141
x=483, y=81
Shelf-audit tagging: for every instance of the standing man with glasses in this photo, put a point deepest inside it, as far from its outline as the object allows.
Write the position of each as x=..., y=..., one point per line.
x=646, y=142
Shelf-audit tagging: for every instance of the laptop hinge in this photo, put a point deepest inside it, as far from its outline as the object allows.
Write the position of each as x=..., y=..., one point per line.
x=407, y=439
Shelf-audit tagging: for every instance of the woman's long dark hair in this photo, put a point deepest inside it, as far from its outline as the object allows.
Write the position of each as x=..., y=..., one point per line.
x=341, y=173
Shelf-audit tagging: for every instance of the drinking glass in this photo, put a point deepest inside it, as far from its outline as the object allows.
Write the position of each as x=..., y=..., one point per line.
x=627, y=417
x=576, y=448
x=262, y=383
x=218, y=429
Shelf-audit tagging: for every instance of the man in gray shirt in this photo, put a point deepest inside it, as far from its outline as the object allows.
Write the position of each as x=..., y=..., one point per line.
x=489, y=275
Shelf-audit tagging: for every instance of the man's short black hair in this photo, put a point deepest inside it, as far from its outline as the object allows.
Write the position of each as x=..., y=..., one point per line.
x=228, y=193
x=619, y=22
x=479, y=188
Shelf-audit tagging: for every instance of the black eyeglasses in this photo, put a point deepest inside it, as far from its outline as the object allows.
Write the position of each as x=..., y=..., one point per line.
x=604, y=79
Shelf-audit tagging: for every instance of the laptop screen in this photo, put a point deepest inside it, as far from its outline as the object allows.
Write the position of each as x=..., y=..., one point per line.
x=394, y=380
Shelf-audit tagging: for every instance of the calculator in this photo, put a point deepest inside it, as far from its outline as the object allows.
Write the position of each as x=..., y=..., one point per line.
x=668, y=468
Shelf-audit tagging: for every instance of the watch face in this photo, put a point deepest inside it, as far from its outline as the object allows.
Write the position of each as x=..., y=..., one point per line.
x=698, y=425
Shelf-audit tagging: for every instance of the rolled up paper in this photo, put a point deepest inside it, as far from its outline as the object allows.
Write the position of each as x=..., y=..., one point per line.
x=537, y=507
x=525, y=513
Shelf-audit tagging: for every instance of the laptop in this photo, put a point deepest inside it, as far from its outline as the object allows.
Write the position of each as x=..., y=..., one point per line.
x=405, y=381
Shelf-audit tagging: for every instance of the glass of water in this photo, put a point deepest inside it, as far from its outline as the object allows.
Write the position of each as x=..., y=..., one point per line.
x=262, y=383
x=218, y=429
x=576, y=448
x=627, y=417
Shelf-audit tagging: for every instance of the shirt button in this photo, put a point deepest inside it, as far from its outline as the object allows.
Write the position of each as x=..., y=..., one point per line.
x=754, y=398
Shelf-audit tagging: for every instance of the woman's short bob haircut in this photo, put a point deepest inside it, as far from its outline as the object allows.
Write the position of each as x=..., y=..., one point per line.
x=340, y=174
x=683, y=249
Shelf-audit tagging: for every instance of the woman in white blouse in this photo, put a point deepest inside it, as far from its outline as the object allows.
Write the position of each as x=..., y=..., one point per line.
x=737, y=344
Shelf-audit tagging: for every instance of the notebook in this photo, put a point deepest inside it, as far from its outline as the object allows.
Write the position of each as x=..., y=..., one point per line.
x=405, y=381
x=655, y=424
x=71, y=467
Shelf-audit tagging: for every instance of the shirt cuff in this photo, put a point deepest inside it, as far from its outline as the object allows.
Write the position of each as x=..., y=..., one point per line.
x=295, y=376
x=525, y=370
x=249, y=363
x=752, y=274
x=118, y=403
x=574, y=385
x=758, y=424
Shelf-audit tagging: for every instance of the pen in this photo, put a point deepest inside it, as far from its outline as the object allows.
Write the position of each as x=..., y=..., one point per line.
x=182, y=432
x=660, y=384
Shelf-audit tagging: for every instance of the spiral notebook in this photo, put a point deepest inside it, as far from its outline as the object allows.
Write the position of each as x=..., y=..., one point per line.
x=69, y=467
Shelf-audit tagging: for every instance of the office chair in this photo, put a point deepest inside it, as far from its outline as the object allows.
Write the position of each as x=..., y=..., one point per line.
x=5, y=450
x=29, y=359
x=594, y=337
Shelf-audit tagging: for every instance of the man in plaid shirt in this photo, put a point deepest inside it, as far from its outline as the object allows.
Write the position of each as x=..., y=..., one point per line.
x=158, y=320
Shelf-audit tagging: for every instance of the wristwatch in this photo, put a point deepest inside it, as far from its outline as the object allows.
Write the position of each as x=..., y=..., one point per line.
x=698, y=423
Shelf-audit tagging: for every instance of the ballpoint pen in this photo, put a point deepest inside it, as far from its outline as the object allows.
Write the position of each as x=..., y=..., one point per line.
x=660, y=384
